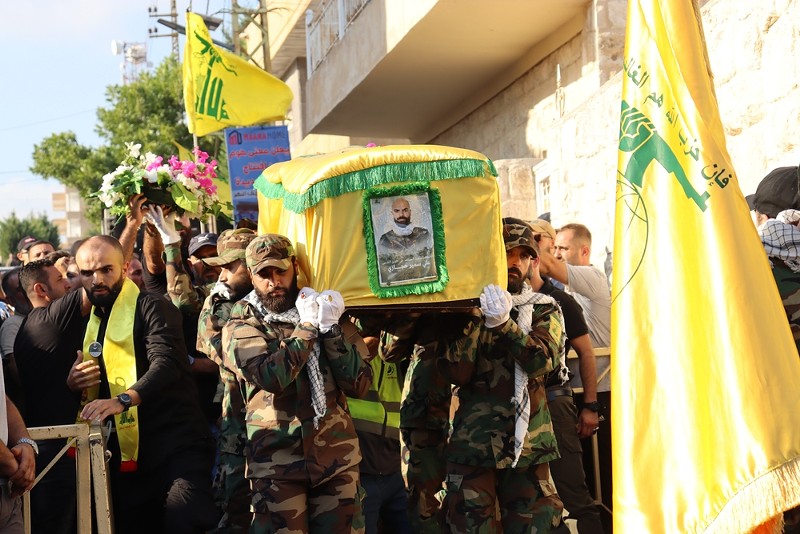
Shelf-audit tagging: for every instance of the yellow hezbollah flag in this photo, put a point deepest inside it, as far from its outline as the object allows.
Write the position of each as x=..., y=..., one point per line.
x=706, y=431
x=221, y=89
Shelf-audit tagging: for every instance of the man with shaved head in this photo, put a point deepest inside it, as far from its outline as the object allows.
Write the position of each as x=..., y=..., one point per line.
x=133, y=372
x=405, y=251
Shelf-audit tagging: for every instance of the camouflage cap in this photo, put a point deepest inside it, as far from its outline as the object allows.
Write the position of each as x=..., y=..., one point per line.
x=271, y=250
x=540, y=226
x=231, y=246
x=519, y=235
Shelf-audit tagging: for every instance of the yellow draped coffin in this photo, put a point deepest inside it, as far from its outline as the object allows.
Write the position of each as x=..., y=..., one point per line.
x=341, y=210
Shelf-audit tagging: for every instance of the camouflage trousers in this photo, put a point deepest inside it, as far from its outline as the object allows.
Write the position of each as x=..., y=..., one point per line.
x=482, y=500
x=232, y=494
x=424, y=471
x=295, y=507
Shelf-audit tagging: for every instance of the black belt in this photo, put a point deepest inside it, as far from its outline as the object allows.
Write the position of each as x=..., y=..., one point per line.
x=558, y=391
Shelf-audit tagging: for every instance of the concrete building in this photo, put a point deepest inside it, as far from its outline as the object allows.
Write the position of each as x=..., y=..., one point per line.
x=73, y=225
x=533, y=84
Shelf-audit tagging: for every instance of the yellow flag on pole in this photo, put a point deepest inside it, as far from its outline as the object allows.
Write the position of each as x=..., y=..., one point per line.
x=706, y=420
x=221, y=89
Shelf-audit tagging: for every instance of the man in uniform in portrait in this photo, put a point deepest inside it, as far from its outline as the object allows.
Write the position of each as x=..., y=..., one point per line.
x=405, y=251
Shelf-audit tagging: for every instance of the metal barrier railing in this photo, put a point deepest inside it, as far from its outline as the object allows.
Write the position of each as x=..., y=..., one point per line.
x=91, y=474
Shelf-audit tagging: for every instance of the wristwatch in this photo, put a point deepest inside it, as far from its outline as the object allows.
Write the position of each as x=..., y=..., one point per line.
x=592, y=406
x=30, y=442
x=125, y=400
x=335, y=331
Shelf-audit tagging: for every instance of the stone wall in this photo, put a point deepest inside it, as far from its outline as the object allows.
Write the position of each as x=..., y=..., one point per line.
x=755, y=57
x=517, y=187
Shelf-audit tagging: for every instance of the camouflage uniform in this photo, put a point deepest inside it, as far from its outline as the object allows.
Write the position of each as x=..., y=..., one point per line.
x=406, y=257
x=231, y=489
x=481, y=476
x=788, y=283
x=424, y=424
x=304, y=478
x=187, y=297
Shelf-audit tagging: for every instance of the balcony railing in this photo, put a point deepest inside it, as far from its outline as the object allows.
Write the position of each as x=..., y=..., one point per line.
x=327, y=26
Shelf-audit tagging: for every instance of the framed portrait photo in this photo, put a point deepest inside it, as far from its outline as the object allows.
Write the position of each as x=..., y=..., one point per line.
x=404, y=236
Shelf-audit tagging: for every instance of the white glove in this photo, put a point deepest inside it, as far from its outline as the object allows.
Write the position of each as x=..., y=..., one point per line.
x=495, y=305
x=307, y=306
x=331, y=308
x=164, y=225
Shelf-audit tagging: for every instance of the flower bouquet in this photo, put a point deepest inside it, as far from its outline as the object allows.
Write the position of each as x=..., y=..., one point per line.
x=187, y=186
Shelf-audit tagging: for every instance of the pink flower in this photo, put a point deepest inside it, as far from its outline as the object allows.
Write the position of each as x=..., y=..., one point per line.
x=189, y=168
x=200, y=155
x=156, y=163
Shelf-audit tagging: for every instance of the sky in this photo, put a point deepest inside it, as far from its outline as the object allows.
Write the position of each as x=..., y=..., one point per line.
x=57, y=64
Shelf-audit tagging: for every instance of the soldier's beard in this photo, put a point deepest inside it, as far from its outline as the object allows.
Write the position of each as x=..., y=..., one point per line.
x=280, y=300
x=515, y=281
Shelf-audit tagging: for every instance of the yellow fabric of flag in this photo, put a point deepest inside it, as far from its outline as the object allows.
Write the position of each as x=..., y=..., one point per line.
x=221, y=89
x=706, y=420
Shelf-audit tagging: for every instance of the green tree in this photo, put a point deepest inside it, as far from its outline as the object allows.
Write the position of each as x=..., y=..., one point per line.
x=149, y=111
x=13, y=229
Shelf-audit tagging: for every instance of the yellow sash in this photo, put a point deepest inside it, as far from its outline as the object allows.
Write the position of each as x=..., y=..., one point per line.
x=120, y=363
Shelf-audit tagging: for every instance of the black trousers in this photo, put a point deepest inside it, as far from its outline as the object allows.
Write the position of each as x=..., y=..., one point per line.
x=174, y=497
x=53, y=498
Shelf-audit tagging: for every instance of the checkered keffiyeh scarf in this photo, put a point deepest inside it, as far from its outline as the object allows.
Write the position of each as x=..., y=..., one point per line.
x=524, y=302
x=291, y=316
x=781, y=238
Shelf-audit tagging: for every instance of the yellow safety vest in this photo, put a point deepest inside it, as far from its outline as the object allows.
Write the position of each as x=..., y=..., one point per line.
x=379, y=412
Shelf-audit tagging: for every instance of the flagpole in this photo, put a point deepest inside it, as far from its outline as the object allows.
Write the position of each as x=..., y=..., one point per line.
x=210, y=224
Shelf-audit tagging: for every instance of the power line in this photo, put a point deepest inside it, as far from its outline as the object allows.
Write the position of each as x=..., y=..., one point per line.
x=20, y=126
x=2, y=184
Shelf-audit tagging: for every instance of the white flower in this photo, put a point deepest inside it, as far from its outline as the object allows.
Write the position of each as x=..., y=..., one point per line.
x=133, y=149
x=151, y=176
x=108, y=182
x=149, y=158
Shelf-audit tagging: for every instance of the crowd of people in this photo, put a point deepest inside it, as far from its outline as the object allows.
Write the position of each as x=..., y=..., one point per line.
x=234, y=400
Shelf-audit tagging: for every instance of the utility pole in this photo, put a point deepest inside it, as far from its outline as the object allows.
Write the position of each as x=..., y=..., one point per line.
x=173, y=15
x=258, y=17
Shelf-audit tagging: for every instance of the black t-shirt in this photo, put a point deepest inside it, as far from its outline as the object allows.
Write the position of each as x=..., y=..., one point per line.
x=379, y=455
x=170, y=419
x=156, y=283
x=206, y=383
x=8, y=333
x=574, y=323
x=45, y=349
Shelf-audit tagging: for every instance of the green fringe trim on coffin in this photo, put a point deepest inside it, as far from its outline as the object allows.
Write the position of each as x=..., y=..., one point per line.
x=419, y=288
x=425, y=171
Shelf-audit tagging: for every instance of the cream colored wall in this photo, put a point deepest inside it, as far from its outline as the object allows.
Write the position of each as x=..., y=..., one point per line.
x=755, y=56
x=379, y=27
